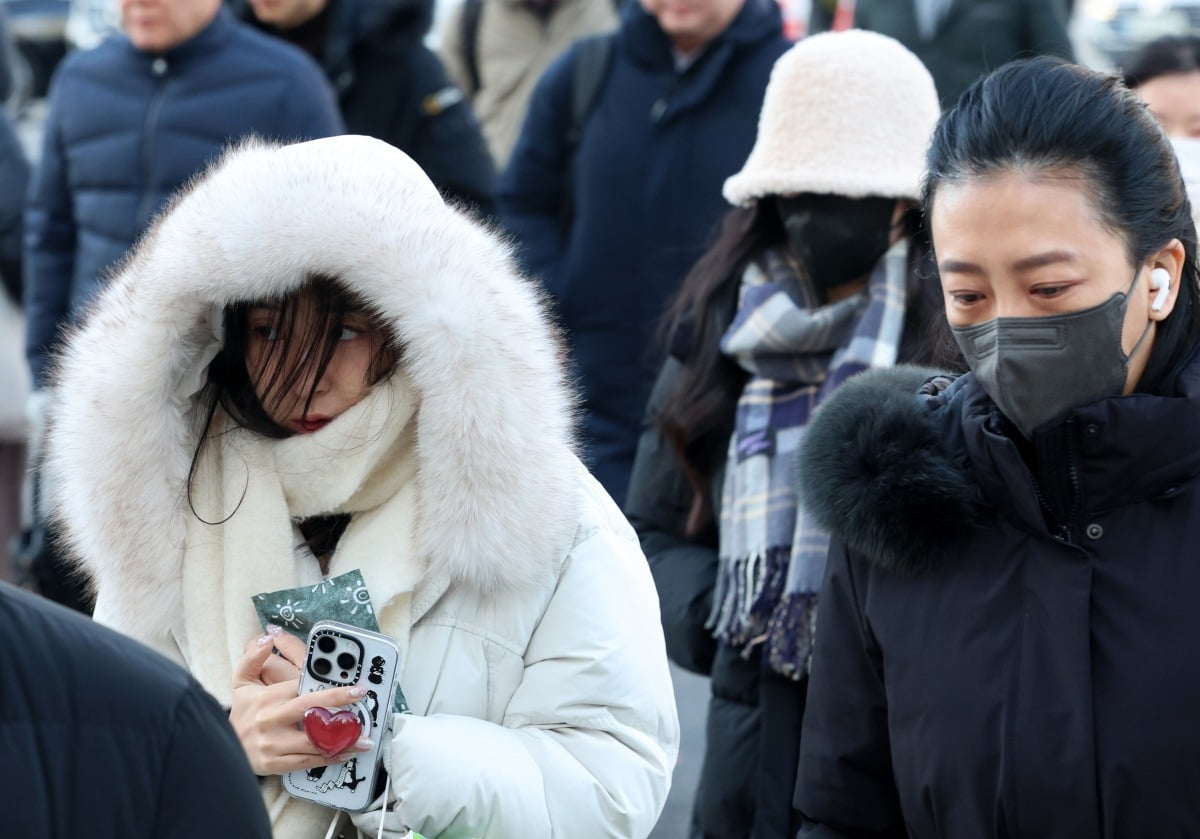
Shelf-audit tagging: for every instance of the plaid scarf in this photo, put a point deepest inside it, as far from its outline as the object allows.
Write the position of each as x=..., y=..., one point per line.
x=772, y=555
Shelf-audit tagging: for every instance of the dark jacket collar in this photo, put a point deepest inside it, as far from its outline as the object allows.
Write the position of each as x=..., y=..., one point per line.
x=353, y=25
x=643, y=40
x=208, y=40
x=901, y=467
x=884, y=469
x=1116, y=451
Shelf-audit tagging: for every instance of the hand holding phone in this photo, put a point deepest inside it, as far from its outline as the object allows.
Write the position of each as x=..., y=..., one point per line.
x=341, y=658
x=286, y=664
x=267, y=717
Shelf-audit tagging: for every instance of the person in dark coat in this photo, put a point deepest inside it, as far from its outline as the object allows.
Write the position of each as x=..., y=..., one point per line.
x=109, y=740
x=817, y=276
x=7, y=61
x=14, y=179
x=14, y=378
x=612, y=227
x=390, y=85
x=131, y=121
x=128, y=123
x=960, y=40
x=1009, y=614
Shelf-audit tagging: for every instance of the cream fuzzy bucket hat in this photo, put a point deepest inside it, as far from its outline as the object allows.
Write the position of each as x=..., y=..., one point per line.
x=848, y=113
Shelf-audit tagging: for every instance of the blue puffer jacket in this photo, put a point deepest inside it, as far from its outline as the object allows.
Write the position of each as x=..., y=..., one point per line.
x=126, y=128
x=655, y=151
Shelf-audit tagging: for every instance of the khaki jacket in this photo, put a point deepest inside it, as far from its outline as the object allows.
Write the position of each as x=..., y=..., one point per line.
x=514, y=48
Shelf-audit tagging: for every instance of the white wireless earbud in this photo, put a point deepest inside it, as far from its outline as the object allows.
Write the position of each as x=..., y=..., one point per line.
x=1160, y=281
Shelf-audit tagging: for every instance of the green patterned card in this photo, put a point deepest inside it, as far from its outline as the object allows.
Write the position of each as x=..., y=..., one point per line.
x=344, y=598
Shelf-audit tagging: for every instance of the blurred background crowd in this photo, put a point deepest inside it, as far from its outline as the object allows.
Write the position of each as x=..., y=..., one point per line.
x=112, y=104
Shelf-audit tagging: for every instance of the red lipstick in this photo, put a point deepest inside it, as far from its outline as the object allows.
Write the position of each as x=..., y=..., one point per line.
x=309, y=424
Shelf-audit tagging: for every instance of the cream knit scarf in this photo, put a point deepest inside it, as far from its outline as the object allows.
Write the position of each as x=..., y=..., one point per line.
x=249, y=489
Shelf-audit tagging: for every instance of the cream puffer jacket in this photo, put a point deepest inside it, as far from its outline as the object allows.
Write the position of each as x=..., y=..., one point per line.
x=535, y=668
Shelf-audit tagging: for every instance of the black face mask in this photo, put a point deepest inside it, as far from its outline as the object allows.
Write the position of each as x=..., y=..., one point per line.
x=838, y=239
x=1038, y=368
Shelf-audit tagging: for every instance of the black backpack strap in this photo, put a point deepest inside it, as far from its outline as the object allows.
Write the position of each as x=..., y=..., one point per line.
x=593, y=55
x=471, y=15
x=592, y=58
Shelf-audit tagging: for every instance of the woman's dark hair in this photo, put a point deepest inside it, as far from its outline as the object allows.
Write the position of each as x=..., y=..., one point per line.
x=302, y=346
x=697, y=417
x=1163, y=56
x=1045, y=115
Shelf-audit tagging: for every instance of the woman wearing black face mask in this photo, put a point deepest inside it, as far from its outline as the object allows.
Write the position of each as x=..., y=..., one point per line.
x=815, y=277
x=1008, y=629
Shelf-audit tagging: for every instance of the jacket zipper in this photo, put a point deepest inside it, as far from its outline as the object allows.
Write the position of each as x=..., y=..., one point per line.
x=149, y=136
x=1065, y=531
x=659, y=109
x=1062, y=532
x=1073, y=472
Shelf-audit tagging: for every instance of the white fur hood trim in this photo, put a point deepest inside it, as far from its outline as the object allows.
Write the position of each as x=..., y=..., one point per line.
x=497, y=473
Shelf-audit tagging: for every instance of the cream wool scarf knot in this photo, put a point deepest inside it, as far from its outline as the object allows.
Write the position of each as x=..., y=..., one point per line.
x=248, y=489
x=251, y=488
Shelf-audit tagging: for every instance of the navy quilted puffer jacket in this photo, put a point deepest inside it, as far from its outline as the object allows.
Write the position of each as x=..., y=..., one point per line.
x=126, y=128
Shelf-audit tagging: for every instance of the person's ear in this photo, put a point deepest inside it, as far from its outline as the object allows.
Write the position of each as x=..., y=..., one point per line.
x=1166, y=275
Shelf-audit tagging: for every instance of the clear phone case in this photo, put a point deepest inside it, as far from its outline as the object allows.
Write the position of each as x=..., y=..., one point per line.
x=341, y=655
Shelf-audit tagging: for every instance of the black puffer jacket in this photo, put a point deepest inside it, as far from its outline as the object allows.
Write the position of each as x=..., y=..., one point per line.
x=392, y=87
x=1000, y=655
x=106, y=739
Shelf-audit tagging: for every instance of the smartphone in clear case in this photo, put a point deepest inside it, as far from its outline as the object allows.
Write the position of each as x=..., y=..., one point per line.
x=341, y=655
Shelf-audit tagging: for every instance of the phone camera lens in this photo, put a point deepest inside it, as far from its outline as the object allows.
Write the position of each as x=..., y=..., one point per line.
x=346, y=661
x=322, y=667
x=326, y=644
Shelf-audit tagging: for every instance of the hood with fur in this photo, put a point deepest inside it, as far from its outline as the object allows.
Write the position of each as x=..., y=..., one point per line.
x=882, y=470
x=496, y=467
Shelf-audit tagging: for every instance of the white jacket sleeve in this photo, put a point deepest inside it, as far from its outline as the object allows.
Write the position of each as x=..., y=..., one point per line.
x=589, y=739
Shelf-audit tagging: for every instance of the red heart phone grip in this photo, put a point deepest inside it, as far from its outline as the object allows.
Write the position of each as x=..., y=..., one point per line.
x=332, y=732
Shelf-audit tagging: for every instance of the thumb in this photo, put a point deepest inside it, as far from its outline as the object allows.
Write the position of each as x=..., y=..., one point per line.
x=249, y=669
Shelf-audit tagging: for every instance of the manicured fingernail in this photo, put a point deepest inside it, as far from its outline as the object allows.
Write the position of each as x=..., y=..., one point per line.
x=364, y=744
x=263, y=641
x=274, y=630
x=357, y=691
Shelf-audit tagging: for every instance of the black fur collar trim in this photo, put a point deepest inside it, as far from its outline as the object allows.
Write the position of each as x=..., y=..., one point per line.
x=884, y=470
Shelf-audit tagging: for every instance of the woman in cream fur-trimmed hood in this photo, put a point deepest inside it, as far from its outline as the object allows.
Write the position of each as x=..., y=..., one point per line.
x=532, y=655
